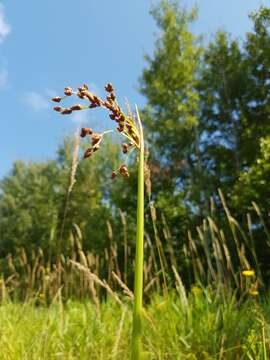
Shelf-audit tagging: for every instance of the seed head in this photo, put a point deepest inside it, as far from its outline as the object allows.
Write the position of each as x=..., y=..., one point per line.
x=124, y=171
x=125, y=148
x=88, y=153
x=86, y=131
x=68, y=91
x=126, y=124
x=81, y=94
x=56, y=99
x=90, y=96
x=83, y=87
x=77, y=107
x=66, y=111
x=96, y=138
x=109, y=105
x=58, y=108
x=109, y=87
x=120, y=128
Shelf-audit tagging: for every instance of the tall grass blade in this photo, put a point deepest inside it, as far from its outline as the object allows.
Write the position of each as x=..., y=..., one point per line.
x=138, y=286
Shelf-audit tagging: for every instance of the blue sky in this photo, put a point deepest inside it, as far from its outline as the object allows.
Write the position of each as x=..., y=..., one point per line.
x=46, y=45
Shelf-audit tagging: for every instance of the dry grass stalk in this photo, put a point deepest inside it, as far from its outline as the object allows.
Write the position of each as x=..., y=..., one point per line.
x=127, y=291
x=119, y=333
x=97, y=280
x=74, y=163
x=181, y=289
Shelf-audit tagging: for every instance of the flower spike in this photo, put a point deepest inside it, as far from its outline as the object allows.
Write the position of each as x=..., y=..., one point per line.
x=126, y=124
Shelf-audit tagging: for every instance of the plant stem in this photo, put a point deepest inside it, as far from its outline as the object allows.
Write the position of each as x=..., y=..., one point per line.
x=138, y=285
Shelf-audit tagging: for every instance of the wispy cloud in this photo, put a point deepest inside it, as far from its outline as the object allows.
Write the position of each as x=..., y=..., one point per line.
x=36, y=101
x=5, y=28
x=3, y=78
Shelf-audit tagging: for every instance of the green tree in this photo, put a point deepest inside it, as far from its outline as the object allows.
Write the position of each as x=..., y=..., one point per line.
x=222, y=121
x=234, y=93
x=33, y=202
x=28, y=205
x=252, y=185
x=171, y=115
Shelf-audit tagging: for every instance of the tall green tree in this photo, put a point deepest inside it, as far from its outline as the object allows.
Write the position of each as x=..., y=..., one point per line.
x=171, y=115
x=234, y=92
x=222, y=121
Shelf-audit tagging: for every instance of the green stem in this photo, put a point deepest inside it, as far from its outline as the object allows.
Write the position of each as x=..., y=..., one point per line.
x=138, y=285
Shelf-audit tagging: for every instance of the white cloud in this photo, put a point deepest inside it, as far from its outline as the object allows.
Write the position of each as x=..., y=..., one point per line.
x=5, y=28
x=3, y=78
x=36, y=101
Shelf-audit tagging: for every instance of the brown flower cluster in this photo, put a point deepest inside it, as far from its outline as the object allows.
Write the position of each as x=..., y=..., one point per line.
x=126, y=124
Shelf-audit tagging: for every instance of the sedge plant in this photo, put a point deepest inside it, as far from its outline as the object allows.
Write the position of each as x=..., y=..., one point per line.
x=130, y=127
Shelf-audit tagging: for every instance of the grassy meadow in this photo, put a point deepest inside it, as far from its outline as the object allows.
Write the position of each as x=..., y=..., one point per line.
x=71, y=308
x=204, y=325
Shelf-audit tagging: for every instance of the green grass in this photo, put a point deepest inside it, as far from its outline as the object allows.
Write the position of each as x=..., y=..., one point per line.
x=208, y=326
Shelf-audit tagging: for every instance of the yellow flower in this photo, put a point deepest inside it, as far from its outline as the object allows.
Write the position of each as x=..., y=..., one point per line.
x=248, y=273
x=254, y=292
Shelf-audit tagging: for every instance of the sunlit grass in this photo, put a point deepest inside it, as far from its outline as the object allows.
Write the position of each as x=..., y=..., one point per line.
x=211, y=326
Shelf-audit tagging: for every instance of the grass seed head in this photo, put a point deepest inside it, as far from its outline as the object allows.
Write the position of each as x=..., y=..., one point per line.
x=96, y=138
x=58, y=108
x=88, y=153
x=66, y=111
x=125, y=148
x=86, y=131
x=109, y=88
x=77, y=107
x=56, y=99
x=68, y=91
x=126, y=124
x=124, y=171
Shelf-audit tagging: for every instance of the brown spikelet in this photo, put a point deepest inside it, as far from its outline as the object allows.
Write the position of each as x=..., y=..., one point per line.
x=56, y=99
x=66, y=111
x=58, y=108
x=125, y=148
x=88, y=153
x=77, y=107
x=86, y=131
x=68, y=91
x=96, y=138
x=109, y=88
x=124, y=171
